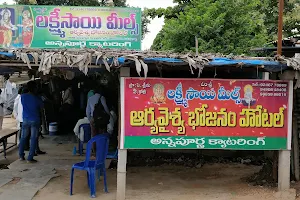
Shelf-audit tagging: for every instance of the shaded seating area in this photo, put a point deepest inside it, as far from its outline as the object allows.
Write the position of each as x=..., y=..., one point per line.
x=87, y=136
x=92, y=166
x=213, y=67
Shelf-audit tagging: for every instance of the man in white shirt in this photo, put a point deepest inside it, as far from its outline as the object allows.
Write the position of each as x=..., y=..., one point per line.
x=18, y=114
x=80, y=133
x=18, y=108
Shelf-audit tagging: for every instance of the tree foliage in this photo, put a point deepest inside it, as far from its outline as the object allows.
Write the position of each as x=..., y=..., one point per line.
x=291, y=16
x=223, y=26
x=227, y=26
x=170, y=12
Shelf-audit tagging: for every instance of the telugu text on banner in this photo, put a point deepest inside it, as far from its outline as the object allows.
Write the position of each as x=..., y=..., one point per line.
x=205, y=114
x=70, y=27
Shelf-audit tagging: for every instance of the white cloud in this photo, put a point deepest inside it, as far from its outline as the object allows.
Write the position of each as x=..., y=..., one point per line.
x=157, y=23
x=154, y=27
x=7, y=1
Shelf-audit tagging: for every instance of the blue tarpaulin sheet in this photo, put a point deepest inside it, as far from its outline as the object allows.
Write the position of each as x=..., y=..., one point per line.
x=7, y=54
x=271, y=66
x=227, y=61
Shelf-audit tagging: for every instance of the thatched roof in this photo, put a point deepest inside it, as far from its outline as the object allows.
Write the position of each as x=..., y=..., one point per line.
x=84, y=59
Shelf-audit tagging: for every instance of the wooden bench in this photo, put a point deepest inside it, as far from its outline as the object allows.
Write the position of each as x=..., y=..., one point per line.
x=4, y=135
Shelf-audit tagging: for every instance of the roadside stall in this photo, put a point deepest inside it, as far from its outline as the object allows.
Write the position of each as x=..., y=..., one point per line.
x=197, y=113
x=244, y=113
x=173, y=101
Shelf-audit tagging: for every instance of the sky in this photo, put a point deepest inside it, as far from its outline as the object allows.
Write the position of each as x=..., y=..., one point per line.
x=155, y=25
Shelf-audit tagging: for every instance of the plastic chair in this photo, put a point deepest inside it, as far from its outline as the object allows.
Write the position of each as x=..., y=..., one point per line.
x=87, y=136
x=91, y=166
x=112, y=155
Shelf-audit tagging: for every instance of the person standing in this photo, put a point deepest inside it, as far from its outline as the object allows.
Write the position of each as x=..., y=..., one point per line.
x=16, y=105
x=18, y=114
x=67, y=97
x=96, y=124
x=32, y=106
x=66, y=111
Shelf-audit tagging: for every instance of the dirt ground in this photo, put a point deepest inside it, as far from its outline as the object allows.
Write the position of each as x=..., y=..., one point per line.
x=222, y=182
x=167, y=182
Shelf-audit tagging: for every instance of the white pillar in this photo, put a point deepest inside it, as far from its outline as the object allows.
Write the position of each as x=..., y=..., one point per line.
x=122, y=157
x=121, y=175
x=266, y=75
x=284, y=158
x=284, y=164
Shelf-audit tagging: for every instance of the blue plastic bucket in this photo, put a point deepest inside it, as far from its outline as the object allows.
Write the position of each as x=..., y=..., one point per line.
x=53, y=128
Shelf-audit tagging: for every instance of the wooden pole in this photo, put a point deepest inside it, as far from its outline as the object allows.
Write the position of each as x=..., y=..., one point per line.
x=197, y=46
x=279, y=52
x=280, y=27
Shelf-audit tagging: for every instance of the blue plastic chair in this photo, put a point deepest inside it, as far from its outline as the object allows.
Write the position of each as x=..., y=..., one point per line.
x=91, y=166
x=87, y=136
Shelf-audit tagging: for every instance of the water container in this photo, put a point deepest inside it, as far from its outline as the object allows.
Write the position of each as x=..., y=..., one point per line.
x=53, y=128
x=74, y=151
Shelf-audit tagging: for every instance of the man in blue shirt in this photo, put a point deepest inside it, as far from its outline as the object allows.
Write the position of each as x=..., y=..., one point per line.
x=32, y=106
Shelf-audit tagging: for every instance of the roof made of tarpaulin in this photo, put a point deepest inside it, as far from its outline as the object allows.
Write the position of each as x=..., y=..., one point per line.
x=84, y=58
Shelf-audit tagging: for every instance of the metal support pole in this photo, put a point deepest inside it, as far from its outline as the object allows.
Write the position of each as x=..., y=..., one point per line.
x=280, y=26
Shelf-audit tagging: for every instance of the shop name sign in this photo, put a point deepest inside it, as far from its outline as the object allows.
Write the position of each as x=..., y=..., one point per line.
x=205, y=114
x=70, y=27
x=81, y=44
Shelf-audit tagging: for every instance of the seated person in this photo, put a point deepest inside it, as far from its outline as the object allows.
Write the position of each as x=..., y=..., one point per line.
x=112, y=121
x=80, y=133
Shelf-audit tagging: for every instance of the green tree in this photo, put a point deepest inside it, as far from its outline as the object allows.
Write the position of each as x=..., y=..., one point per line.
x=266, y=9
x=145, y=22
x=291, y=17
x=226, y=26
x=170, y=12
